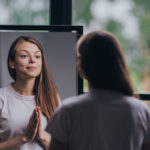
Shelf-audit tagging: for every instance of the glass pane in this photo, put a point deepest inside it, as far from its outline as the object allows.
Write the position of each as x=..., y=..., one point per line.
x=85, y=86
x=129, y=21
x=24, y=12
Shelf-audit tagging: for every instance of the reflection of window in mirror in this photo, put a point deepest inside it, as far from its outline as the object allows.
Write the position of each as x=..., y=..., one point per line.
x=85, y=86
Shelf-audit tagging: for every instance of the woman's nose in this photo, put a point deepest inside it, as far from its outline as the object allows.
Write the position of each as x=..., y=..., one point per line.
x=32, y=59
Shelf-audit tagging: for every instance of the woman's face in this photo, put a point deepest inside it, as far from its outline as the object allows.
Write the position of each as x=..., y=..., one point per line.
x=28, y=61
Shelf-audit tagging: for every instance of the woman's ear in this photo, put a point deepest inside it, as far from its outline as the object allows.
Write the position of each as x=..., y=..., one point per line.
x=11, y=64
x=80, y=69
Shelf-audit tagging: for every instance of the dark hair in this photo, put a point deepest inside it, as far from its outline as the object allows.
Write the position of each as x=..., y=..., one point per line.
x=47, y=96
x=103, y=62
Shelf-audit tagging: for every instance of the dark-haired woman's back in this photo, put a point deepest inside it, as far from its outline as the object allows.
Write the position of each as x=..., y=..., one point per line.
x=101, y=120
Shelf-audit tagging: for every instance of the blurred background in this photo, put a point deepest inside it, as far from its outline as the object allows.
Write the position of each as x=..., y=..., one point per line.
x=128, y=20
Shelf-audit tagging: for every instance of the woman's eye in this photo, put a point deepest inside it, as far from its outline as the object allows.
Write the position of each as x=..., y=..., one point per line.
x=24, y=56
x=38, y=56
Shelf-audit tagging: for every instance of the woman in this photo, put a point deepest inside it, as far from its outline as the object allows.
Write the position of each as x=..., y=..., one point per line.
x=33, y=90
x=108, y=117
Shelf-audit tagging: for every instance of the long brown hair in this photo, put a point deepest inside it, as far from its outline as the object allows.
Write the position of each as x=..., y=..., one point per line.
x=46, y=93
x=103, y=62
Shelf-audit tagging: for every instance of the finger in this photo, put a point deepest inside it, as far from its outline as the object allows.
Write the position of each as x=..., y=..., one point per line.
x=32, y=123
x=37, y=107
x=38, y=113
x=34, y=112
x=32, y=126
x=31, y=131
x=29, y=122
x=35, y=122
x=34, y=119
x=39, y=116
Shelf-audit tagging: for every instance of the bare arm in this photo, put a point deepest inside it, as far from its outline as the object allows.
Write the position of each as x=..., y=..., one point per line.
x=13, y=143
x=45, y=139
x=57, y=145
x=19, y=140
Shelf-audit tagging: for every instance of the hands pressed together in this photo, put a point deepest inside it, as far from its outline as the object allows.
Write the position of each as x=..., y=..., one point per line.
x=34, y=128
x=33, y=131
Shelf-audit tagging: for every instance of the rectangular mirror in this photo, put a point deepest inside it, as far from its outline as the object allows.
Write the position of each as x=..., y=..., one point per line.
x=59, y=50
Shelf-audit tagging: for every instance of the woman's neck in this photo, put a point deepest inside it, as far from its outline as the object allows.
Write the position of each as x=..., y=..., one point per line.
x=24, y=87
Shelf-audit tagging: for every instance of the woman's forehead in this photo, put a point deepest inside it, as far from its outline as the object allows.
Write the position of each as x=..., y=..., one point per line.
x=28, y=47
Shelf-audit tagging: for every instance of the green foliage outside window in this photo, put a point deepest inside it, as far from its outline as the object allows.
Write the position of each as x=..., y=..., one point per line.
x=136, y=48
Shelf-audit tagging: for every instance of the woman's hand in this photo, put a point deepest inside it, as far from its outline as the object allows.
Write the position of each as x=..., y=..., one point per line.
x=42, y=135
x=32, y=126
x=40, y=131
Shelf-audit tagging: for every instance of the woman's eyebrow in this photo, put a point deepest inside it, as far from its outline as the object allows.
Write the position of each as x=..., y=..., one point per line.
x=38, y=51
x=28, y=51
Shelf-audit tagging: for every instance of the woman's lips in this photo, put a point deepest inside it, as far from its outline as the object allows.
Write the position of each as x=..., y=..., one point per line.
x=31, y=68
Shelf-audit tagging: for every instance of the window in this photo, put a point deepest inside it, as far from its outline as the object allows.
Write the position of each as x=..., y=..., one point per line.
x=129, y=21
x=26, y=12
